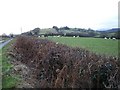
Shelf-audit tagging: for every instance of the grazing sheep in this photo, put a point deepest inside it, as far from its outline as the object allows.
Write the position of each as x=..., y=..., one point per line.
x=73, y=36
x=114, y=38
x=105, y=38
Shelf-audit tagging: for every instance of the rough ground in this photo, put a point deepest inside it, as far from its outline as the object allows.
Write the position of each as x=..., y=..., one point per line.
x=25, y=75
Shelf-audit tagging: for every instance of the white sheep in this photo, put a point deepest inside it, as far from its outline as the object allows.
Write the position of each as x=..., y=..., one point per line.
x=114, y=38
x=105, y=38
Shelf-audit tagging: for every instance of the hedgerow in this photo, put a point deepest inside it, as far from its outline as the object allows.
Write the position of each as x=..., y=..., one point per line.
x=55, y=65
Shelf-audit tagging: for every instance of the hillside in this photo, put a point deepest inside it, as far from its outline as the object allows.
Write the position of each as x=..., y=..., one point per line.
x=81, y=32
x=113, y=30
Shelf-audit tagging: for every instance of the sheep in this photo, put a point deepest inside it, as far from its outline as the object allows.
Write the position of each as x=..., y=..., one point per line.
x=105, y=38
x=58, y=36
x=114, y=38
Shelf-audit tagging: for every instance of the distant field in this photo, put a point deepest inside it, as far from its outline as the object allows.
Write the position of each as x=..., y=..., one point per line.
x=97, y=45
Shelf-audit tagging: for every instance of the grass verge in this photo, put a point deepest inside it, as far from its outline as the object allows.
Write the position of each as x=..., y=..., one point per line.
x=8, y=80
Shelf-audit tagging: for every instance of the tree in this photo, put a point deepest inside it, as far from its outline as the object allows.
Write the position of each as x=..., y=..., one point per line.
x=92, y=33
x=65, y=28
x=11, y=35
x=117, y=35
x=29, y=33
x=56, y=28
x=36, y=31
x=4, y=35
x=103, y=34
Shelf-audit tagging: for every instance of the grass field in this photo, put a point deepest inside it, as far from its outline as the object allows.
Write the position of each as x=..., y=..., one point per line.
x=97, y=45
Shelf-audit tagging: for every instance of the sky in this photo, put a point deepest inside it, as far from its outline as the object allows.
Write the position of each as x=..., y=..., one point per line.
x=29, y=14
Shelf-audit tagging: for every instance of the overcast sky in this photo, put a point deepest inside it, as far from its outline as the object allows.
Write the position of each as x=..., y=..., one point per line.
x=29, y=14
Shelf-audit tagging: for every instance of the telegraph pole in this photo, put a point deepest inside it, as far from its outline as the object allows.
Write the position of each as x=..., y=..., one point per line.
x=21, y=30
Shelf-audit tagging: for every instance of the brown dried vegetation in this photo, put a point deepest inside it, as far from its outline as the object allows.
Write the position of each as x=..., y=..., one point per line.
x=59, y=66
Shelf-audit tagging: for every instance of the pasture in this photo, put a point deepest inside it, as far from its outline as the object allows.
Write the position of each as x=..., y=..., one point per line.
x=96, y=45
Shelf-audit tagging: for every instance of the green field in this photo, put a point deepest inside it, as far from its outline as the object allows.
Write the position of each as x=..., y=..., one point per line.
x=97, y=45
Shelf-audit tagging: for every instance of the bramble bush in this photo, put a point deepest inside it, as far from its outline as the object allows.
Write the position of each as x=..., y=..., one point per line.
x=59, y=66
